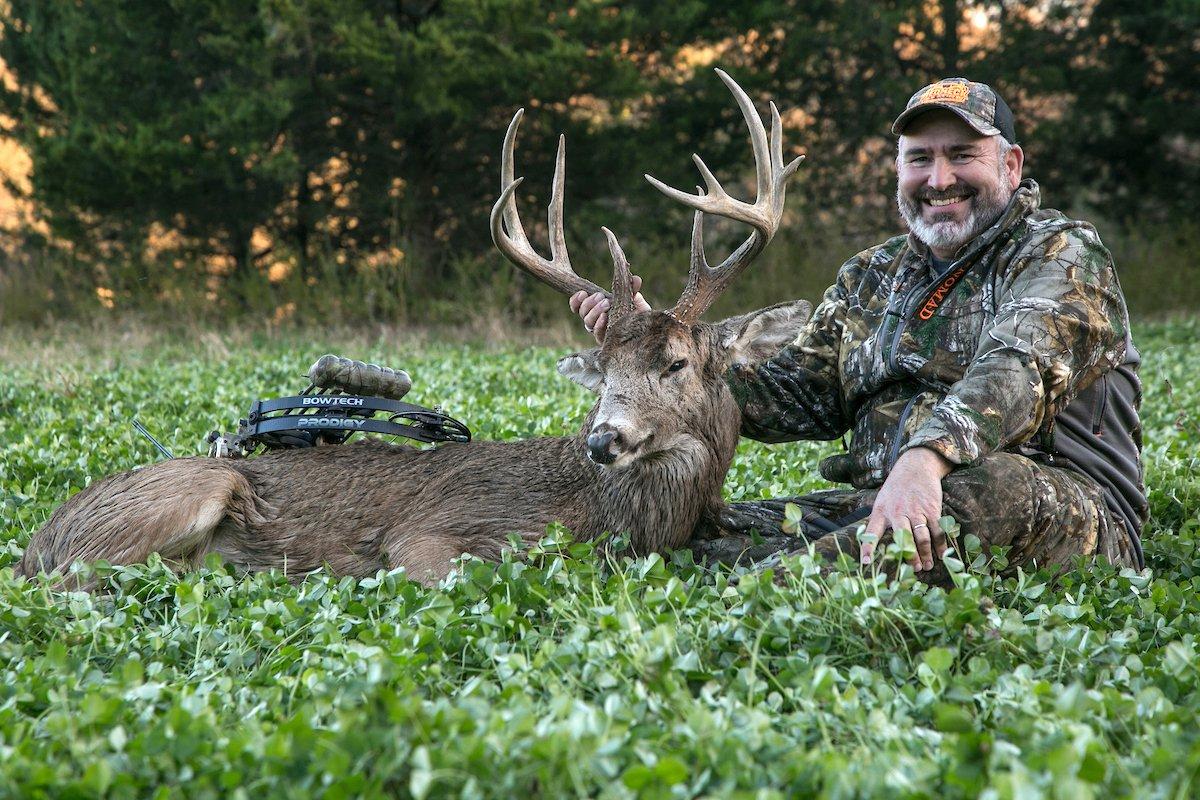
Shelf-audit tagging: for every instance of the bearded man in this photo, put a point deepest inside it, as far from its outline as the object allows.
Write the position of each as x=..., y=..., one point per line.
x=982, y=365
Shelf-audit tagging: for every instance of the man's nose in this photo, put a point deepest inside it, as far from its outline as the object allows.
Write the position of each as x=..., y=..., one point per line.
x=942, y=175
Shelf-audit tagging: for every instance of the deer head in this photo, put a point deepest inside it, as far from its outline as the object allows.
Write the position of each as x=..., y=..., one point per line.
x=660, y=374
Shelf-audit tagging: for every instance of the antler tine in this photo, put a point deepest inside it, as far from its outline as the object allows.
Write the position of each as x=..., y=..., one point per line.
x=509, y=235
x=706, y=283
x=622, y=289
x=512, y=221
x=698, y=266
x=554, y=213
x=698, y=260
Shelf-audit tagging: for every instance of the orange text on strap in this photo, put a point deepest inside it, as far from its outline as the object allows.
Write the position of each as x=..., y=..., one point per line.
x=935, y=298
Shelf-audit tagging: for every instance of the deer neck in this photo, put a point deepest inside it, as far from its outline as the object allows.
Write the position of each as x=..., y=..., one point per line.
x=659, y=499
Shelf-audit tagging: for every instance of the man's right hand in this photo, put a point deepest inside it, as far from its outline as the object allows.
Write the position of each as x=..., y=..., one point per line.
x=593, y=308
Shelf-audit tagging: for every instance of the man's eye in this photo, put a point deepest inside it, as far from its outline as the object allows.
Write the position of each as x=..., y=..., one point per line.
x=919, y=160
x=678, y=365
x=962, y=158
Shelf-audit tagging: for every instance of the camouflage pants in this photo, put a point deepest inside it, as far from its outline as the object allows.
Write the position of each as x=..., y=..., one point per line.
x=1044, y=514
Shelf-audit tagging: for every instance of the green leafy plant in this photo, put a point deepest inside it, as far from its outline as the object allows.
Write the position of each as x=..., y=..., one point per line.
x=561, y=671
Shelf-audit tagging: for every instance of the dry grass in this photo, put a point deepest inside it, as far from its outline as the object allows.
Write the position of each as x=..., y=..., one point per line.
x=103, y=341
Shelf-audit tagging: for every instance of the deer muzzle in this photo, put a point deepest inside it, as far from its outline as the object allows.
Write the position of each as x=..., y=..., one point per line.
x=604, y=444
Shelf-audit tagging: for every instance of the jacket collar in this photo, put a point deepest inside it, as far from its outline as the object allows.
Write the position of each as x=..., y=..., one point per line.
x=1025, y=200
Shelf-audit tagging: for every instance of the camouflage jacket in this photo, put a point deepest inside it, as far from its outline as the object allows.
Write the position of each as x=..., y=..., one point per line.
x=985, y=355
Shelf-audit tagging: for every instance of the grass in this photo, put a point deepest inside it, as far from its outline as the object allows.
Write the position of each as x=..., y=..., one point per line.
x=560, y=673
x=38, y=286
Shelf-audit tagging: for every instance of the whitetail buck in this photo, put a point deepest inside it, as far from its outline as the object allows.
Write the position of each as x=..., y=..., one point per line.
x=649, y=460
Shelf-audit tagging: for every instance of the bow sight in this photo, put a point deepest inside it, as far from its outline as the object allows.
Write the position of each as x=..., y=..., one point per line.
x=339, y=402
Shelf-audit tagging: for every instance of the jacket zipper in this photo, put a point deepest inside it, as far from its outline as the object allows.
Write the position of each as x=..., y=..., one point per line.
x=894, y=451
x=1101, y=407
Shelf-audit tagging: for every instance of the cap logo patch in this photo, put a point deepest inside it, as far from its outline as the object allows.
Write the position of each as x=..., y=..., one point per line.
x=945, y=93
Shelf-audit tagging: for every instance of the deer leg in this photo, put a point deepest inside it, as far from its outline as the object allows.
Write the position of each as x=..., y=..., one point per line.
x=426, y=557
x=427, y=553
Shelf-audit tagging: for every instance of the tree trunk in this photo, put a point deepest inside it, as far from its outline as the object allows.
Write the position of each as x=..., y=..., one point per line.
x=950, y=18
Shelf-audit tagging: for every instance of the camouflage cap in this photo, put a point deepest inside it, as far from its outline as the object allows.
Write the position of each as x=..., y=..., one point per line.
x=976, y=103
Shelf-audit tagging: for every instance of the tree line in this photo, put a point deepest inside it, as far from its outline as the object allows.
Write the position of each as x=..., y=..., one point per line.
x=365, y=133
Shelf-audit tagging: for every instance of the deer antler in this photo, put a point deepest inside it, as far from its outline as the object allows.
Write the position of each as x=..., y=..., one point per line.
x=510, y=238
x=705, y=284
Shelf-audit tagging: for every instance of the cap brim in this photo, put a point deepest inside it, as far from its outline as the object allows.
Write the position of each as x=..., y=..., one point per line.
x=976, y=123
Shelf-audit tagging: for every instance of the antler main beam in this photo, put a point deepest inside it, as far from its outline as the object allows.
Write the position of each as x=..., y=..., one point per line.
x=706, y=283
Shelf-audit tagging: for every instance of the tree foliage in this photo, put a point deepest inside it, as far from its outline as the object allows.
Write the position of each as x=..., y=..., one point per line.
x=341, y=129
x=331, y=125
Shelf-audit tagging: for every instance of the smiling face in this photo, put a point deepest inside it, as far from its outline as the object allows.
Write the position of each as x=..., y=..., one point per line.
x=952, y=182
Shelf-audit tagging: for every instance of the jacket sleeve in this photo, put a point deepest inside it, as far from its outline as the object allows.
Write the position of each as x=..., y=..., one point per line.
x=1060, y=323
x=797, y=394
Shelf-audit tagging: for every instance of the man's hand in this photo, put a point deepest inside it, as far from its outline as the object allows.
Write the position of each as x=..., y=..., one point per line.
x=593, y=308
x=911, y=498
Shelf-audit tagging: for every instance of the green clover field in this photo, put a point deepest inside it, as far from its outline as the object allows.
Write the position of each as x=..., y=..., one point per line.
x=558, y=672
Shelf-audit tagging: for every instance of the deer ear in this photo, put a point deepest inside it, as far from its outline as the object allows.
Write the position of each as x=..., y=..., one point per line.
x=753, y=338
x=583, y=368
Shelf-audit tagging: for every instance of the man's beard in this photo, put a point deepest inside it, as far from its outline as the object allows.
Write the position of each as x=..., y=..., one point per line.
x=942, y=231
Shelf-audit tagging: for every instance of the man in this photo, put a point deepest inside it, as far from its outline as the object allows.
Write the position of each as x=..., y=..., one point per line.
x=982, y=365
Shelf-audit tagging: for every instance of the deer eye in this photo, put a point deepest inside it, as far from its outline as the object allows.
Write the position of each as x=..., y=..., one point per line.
x=678, y=365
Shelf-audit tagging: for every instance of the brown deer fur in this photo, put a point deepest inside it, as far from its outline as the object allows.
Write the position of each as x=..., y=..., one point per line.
x=361, y=507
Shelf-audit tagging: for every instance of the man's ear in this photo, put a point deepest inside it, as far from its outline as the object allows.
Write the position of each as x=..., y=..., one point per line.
x=753, y=338
x=583, y=368
x=1013, y=164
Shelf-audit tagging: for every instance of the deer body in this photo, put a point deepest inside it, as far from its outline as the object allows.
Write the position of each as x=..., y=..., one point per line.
x=649, y=460
x=361, y=507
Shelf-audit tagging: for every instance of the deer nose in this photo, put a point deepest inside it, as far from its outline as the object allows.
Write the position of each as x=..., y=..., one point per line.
x=599, y=443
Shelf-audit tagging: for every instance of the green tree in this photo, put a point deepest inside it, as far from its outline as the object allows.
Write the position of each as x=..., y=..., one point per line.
x=156, y=112
x=345, y=127
x=333, y=125
x=1113, y=102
